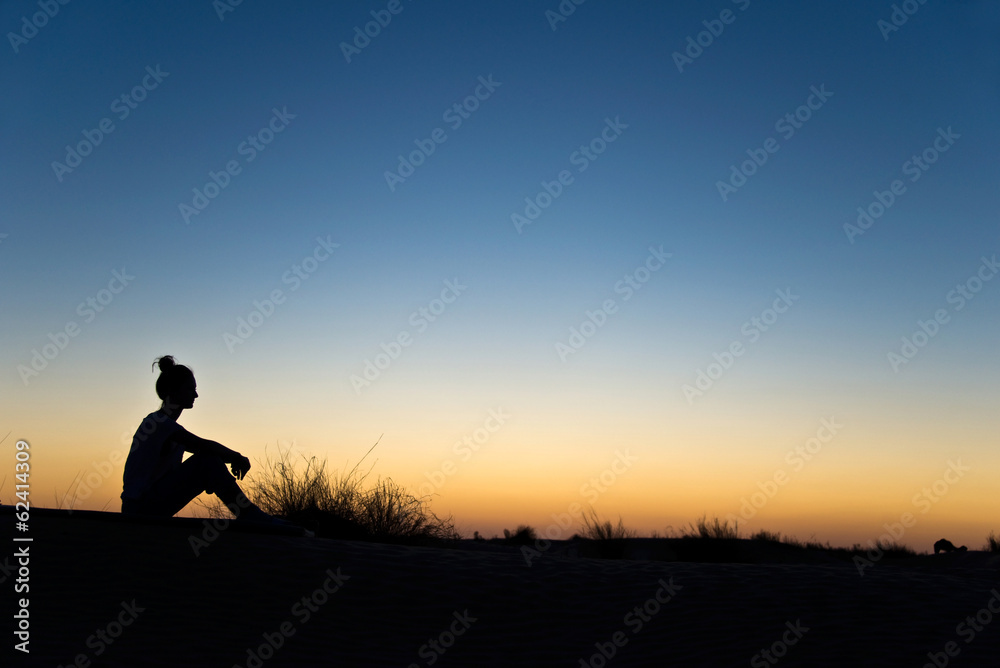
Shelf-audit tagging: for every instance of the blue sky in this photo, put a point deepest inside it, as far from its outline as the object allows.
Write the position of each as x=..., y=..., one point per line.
x=323, y=176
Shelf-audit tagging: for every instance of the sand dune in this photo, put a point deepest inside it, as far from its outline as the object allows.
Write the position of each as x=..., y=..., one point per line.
x=122, y=593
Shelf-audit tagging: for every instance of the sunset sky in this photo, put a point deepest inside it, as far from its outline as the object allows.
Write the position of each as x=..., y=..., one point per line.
x=653, y=257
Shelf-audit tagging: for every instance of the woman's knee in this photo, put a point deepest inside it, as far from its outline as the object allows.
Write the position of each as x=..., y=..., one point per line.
x=208, y=468
x=211, y=469
x=206, y=462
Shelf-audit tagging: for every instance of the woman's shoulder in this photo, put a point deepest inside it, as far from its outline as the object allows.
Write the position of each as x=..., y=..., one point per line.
x=161, y=415
x=158, y=421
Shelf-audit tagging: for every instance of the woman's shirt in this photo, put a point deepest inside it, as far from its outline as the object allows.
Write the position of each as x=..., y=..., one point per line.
x=152, y=455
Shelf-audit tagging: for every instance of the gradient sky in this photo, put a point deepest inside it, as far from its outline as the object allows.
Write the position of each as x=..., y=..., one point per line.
x=611, y=422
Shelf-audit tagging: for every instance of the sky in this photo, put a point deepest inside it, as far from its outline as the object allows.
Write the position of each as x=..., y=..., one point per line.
x=664, y=260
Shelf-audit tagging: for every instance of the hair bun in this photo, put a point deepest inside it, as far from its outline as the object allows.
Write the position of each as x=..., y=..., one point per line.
x=165, y=362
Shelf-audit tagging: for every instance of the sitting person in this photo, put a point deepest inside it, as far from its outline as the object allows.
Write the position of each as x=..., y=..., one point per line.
x=156, y=481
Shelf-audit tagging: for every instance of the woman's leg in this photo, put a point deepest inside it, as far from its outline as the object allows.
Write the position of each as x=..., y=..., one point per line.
x=198, y=473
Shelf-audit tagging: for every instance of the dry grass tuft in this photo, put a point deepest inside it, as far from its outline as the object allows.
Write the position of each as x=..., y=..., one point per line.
x=339, y=505
x=716, y=528
x=595, y=529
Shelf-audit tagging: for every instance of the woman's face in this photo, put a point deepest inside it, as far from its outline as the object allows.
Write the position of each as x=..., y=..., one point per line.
x=187, y=392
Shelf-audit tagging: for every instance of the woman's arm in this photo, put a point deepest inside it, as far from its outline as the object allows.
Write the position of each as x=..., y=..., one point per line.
x=198, y=445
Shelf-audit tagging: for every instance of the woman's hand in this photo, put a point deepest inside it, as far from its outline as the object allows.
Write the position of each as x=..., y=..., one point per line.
x=240, y=466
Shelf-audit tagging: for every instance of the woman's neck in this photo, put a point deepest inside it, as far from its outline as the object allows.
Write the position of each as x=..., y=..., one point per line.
x=172, y=411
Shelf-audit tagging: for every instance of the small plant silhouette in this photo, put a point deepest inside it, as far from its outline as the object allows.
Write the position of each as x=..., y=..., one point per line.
x=717, y=528
x=522, y=535
x=596, y=529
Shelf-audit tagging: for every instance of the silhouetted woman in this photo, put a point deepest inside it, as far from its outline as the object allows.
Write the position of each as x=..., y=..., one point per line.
x=156, y=481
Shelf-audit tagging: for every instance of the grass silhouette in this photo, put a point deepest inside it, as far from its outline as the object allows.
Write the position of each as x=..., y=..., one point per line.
x=595, y=529
x=992, y=543
x=522, y=535
x=715, y=539
x=889, y=548
x=339, y=505
x=716, y=528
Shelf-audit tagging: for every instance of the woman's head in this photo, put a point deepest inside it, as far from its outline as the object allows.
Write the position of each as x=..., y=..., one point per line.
x=176, y=384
